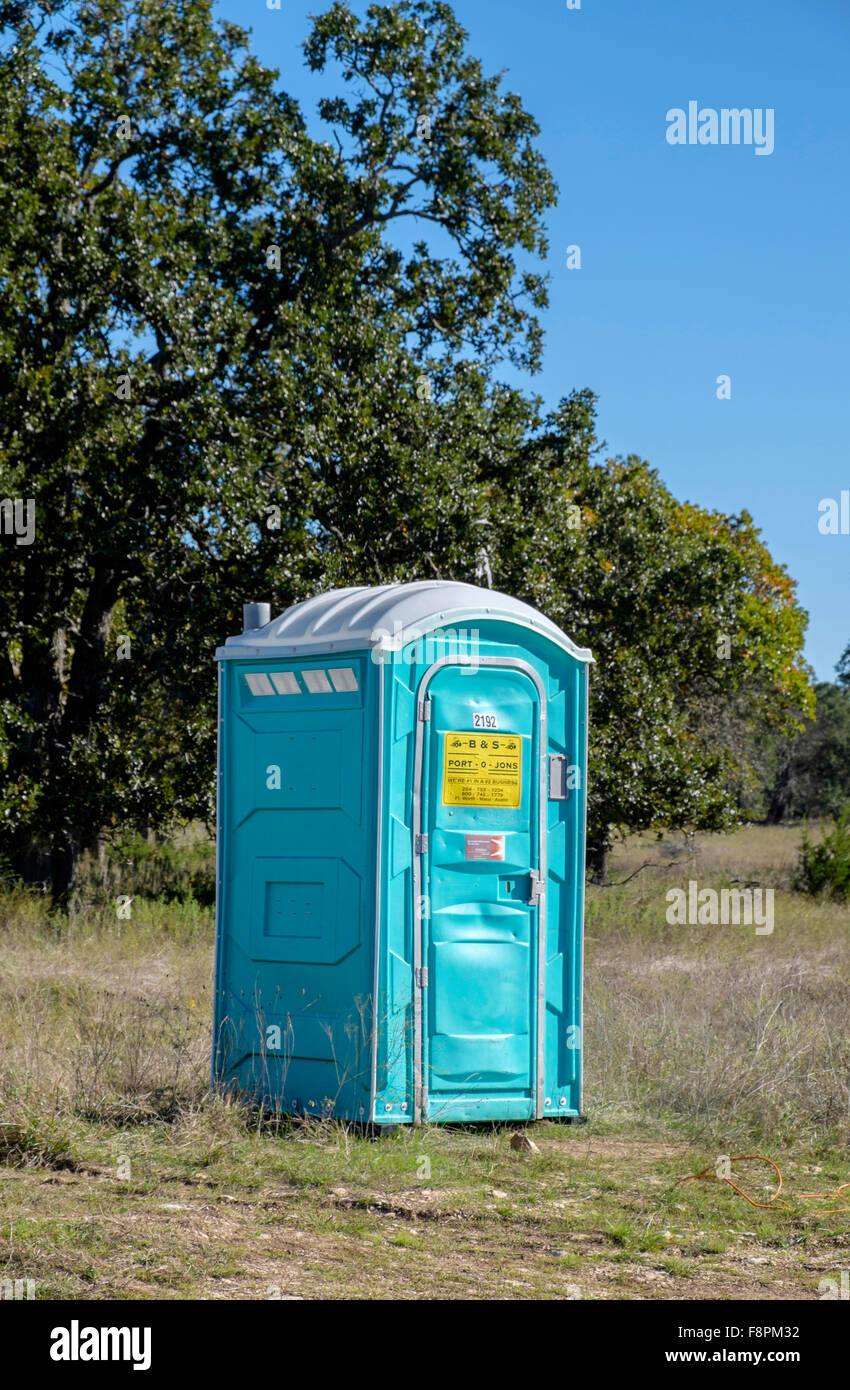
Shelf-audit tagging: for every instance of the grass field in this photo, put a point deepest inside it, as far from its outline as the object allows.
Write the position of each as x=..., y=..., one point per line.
x=121, y=1177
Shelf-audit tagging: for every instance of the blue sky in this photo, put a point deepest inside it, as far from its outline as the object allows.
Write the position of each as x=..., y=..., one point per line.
x=697, y=260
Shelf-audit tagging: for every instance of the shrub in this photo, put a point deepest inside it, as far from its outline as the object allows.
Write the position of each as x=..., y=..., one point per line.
x=176, y=872
x=825, y=868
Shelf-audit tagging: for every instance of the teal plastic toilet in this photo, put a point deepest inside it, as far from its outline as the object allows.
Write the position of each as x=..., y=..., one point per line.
x=401, y=830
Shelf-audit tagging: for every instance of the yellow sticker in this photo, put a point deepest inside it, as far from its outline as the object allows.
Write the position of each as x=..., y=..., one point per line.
x=482, y=769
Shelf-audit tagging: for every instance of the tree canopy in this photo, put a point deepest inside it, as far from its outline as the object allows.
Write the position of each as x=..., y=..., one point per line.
x=227, y=374
x=212, y=358
x=695, y=630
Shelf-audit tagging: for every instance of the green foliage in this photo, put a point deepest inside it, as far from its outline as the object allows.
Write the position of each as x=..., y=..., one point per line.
x=695, y=630
x=212, y=357
x=164, y=872
x=224, y=380
x=825, y=868
x=811, y=774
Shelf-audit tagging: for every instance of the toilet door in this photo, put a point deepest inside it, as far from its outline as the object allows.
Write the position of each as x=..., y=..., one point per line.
x=481, y=877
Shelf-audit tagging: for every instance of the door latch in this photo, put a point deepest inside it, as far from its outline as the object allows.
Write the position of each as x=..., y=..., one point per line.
x=535, y=891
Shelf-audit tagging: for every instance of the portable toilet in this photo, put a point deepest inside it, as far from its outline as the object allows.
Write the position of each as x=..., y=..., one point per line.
x=400, y=878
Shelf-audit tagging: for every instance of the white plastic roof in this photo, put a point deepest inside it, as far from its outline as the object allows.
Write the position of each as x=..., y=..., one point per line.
x=390, y=615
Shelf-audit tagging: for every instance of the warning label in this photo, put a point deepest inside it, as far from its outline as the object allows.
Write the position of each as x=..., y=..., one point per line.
x=482, y=769
x=485, y=846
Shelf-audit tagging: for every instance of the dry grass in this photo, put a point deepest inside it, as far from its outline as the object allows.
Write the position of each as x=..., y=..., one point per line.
x=742, y=1036
x=767, y=853
x=101, y=1014
x=124, y=1178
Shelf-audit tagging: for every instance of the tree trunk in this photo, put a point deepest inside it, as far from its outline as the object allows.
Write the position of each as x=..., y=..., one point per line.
x=48, y=864
x=63, y=869
x=780, y=798
x=597, y=860
x=64, y=704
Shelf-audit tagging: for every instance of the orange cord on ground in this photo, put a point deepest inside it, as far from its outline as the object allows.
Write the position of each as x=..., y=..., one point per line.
x=819, y=1196
x=774, y=1203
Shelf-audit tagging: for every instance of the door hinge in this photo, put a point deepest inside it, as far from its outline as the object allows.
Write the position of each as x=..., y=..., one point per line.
x=424, y=1099
x=421, y=976
x=420, y=844
x=535, y=892
x=425, y=710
